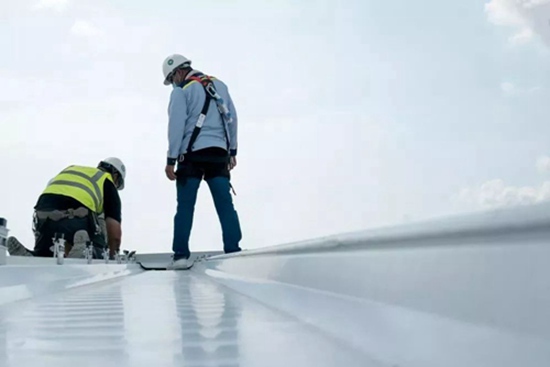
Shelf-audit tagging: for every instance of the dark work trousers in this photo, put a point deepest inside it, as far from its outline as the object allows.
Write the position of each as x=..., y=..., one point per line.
x=189, y=177
x=46, y=229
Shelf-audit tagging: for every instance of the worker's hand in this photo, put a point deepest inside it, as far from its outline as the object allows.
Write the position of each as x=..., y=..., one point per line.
x=170, y=172
x=232, y=163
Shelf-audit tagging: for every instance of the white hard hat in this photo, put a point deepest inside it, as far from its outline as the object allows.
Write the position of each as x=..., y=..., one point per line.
x=171, y=63
x=117, y=164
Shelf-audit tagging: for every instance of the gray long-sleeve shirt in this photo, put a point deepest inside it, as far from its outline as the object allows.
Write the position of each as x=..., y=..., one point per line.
x=183, y=112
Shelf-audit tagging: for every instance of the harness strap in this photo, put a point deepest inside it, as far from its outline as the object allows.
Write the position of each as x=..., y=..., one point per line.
x=202, y=115
x=210, y=93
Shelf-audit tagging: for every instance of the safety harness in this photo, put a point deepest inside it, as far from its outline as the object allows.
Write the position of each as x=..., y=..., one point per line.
x=210, y=93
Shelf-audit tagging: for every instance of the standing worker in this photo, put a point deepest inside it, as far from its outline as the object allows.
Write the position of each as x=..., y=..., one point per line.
x=202, y=139
x=72, y=205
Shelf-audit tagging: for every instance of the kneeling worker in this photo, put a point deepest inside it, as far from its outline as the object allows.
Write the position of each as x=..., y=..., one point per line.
x=71, y=206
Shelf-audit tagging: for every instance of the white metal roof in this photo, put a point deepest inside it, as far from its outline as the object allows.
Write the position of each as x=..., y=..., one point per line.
x=468, y=291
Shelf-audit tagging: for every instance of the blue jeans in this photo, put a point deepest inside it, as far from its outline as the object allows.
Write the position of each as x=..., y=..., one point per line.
x=187, y=188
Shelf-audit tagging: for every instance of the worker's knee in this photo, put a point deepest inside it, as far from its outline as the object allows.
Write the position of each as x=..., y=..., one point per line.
x=81, y=237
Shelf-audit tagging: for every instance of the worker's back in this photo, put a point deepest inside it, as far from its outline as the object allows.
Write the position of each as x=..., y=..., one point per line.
x=214, y=131
x=75, y=185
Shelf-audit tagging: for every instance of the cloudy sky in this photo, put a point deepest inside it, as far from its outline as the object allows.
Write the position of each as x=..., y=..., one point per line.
x=352, y=116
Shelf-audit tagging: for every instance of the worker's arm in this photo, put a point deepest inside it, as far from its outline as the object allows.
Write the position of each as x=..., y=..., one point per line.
x=177, y=117
x=233, y=129
x=112, y=208
x=114, y=234
x=233, y=126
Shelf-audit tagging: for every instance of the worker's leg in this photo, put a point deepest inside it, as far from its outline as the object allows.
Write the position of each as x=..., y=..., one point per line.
x=98, y=234
x=100, y=245
x=218, y=180
x=16, y=248
x=79, y=241
x=187, y=185
x=44, y=231
x=87, y=230
x=69, y=228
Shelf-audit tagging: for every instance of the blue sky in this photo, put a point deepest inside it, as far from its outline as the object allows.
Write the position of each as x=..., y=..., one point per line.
x=352, y=115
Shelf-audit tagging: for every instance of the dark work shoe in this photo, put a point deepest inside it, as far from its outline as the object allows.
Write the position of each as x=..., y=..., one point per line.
x=16, y=248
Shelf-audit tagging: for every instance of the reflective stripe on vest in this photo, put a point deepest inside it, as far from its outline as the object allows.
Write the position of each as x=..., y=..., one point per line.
x=89, y=192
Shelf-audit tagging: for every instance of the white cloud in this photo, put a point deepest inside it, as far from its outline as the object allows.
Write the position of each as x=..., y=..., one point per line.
x=496, y=193
x=527, y=17
x=85, y=29
x=504, y=12
x=543, y=164
x=58, y=5
x=511, y=88
x=507, y=87
x=522, y=37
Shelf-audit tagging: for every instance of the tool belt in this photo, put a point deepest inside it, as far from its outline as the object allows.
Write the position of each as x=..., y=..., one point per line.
x=57, y=215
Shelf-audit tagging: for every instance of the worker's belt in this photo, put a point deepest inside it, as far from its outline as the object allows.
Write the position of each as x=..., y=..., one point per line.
x=57, y=215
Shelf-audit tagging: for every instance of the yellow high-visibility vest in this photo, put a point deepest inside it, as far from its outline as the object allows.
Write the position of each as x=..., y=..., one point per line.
x=84, y=184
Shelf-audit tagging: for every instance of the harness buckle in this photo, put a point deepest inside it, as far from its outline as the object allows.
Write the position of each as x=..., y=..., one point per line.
x=211, y=90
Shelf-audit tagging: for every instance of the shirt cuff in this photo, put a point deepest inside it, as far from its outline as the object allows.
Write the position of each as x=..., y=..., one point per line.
x=233, y=152
x=171, y=161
